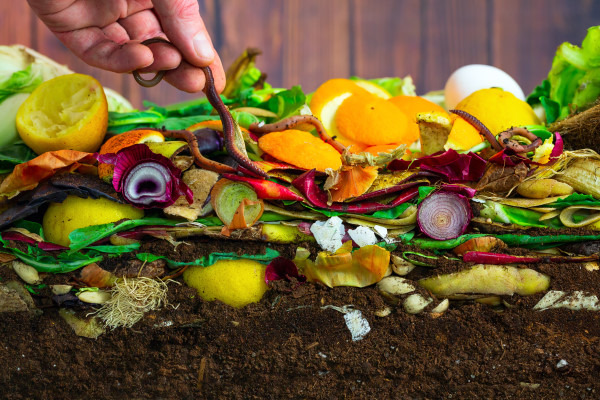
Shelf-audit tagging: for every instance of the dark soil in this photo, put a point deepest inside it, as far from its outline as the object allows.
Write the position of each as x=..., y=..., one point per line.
x=290, y=346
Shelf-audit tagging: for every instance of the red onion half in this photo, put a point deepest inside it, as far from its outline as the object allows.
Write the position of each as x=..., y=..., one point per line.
x=146, y=179
x=444, y=215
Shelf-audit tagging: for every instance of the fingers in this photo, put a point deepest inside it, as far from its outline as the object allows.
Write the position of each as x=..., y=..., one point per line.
x=184, y=27
x=144, y=25
x=94, y=47
x=191, y=79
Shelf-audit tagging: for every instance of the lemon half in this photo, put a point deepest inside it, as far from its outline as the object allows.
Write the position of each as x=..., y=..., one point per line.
x=67, y=112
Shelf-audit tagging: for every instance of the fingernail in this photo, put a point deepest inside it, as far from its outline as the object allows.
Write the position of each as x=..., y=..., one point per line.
x=203, y=47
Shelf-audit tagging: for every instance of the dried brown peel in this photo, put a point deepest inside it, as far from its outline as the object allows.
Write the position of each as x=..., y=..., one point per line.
x=434, y=129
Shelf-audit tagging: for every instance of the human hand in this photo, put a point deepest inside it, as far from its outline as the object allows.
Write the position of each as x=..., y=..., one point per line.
x=107, y=34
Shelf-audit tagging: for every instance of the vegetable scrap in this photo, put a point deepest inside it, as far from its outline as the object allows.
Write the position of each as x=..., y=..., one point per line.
x=363, y=182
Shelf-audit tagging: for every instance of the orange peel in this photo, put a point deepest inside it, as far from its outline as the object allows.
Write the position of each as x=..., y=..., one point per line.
x=411, y=106
x=300, y=149
x=371, y=120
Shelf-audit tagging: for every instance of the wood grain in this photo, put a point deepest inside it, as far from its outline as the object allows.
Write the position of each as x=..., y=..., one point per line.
x=455, y=33
x=309, y=41
x=524, y=42
x=396, y=23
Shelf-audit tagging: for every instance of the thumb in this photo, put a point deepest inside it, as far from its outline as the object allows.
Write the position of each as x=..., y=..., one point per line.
x=181, y=22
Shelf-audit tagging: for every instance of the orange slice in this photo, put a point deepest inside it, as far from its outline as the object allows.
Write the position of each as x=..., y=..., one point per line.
x=371, y=120
x=411, y=106
x=301, y=149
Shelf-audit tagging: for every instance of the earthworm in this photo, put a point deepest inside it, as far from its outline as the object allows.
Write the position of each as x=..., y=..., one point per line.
x=159, y=75
x=200, y=160
x=291, y=122
x=214, y=99
x=504, y=139
x=480, y=127
x=229, y=125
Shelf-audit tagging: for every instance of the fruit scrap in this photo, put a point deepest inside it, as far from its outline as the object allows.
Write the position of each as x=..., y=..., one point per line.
x=488, y=279
x=363, y=267
x=434, y=129
x=146, y=179
x=292, y=122
x=301, y=149
x=349, y=181
x=28, y=175
x=306, y=184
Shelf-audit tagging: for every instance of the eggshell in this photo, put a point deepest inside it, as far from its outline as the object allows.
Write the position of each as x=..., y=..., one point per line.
x=470, y=78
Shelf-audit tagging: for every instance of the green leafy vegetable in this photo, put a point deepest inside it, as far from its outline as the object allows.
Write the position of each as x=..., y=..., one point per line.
x=514, y=215
x=206, y=261
x=574, y=79
x=395, y=86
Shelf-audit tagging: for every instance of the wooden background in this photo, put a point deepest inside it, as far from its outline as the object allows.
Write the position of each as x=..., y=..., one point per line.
x=309, y=41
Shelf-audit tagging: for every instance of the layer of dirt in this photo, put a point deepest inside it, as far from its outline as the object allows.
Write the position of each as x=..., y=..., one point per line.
x=290, y=345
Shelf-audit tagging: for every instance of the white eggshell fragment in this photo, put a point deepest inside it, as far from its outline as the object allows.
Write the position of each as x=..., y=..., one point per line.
x=470, y=78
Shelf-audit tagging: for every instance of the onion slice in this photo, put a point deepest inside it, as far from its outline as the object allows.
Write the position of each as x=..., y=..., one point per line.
x=146, y=179
x=444, y=215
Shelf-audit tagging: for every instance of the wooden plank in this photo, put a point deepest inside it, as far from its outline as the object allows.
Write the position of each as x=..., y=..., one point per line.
x=387, y=36
x=316, y=42
x=455, y=33
x=525, y=41
x=257, y=24
x=15, y=23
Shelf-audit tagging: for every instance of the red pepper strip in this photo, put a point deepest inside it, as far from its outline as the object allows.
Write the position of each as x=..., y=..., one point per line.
x=265, y=189
x=318, y=198
x=482, y=257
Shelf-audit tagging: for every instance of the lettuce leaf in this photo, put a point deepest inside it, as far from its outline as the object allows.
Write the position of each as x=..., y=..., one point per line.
x=574, y=79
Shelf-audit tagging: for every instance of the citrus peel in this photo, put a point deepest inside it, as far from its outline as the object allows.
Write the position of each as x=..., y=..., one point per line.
x=301, y=149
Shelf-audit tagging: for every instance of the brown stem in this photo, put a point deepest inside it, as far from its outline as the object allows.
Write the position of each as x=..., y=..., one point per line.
x=291, y=122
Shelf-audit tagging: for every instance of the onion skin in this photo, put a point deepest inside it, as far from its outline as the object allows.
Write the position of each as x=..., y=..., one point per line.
x=139, y=173
x=451, y=209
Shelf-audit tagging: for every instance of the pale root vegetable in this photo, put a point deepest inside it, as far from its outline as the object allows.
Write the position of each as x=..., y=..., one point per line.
x=543, y=188
x=234, y=282
x=488, y=279
x=26, y=272
x=97, y=297
x=415, y=303
x=400, y=266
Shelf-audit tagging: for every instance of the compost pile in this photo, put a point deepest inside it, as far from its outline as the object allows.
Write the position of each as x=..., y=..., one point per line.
x=356, y=241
